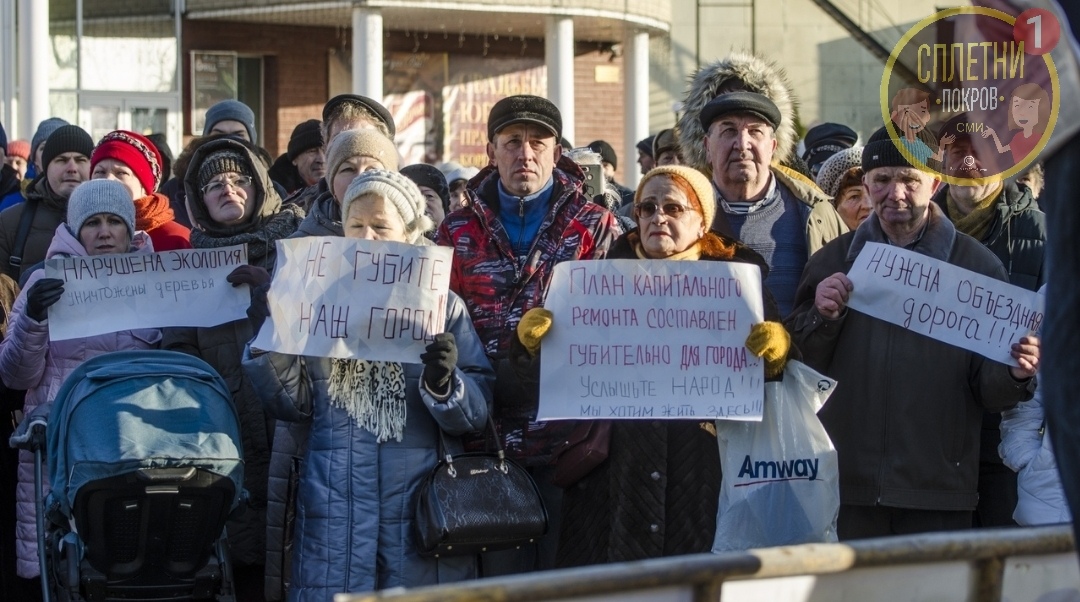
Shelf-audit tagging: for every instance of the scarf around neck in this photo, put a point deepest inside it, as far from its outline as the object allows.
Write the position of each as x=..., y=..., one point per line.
x=152, y=212
x=259, y=240
x=975, y=224
x=372, y=394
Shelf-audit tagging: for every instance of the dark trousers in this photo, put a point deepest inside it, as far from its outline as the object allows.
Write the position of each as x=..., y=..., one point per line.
x=997, y=496
x=539, y=556
x=860, y=522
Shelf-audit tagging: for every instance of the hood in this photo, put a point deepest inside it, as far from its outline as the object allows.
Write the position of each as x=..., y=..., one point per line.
x=759, y=75
x=323, y=219
x=64, y=244
x=1014, y=199
x=267, y=201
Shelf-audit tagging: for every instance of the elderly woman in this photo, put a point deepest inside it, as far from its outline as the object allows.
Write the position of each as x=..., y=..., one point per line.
x=100, y=221
x=374, y=427
x=351, y=153
x=231, y=201
x=840, y=177
x=136, y=162
x=657, y=492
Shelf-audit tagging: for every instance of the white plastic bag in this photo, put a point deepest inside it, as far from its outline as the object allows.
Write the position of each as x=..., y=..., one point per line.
x=781, y=481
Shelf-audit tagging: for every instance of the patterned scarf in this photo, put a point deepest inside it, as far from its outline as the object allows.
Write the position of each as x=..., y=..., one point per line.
x=975, y=224
x=260, y=241
x=372, y=394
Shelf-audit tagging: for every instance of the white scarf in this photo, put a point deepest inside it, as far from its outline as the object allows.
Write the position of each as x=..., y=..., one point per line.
x=372, y=393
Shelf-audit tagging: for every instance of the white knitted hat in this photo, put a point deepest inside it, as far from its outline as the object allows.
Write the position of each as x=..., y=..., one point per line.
x=399, y=191
x=100, y=196
x=834, y=168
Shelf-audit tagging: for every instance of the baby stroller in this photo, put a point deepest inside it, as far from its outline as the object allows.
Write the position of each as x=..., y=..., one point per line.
x=145, y=466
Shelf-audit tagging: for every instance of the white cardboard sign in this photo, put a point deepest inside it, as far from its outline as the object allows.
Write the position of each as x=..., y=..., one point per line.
x=356, y=299
x=652, y=339
x=110, y=293
x=942, y=301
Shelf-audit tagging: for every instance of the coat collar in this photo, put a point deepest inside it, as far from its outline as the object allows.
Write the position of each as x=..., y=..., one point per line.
x=937, y=241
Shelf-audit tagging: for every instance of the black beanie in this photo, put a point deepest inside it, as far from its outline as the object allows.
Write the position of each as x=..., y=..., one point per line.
x=66, y=139
x=881, y=151
x=606, y=153
x=305, y=136
x=427, y=175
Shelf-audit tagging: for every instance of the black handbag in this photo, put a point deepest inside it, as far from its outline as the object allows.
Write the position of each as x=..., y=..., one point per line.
x=477, y=502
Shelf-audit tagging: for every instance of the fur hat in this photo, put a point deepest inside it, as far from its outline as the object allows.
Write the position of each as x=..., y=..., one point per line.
x=427, y=175
x=66, y=139
x=305, y=136
x=231, y=110
x=834, y=168
x=44, y=130
x=100, y=196
x=399, y=191
x=18, y=148
x=697, y=181
x=738, y=71
x=363, y=142
x=524, y=108
x=138, y=153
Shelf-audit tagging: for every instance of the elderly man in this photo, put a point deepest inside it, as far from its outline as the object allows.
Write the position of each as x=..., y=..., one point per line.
x=906, y=415
x=527, y=213
x=307, y=152
x=777, y=213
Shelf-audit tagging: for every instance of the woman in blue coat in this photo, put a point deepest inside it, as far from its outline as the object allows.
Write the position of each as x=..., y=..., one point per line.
x=374, y=425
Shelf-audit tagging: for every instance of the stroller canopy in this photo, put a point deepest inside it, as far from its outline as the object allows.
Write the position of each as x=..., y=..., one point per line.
x=127, y=410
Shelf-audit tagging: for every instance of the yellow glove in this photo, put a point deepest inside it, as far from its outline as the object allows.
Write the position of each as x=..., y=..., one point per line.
x=771, y=342
x=533, y=326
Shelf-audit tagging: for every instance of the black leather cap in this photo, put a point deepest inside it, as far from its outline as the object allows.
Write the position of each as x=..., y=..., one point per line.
x=524, y=109
x=740, y=102
x=372, y=105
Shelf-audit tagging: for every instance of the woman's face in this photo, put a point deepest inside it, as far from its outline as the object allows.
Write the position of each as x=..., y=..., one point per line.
x=853, y=205
x=349, y=169
x=228, y=197
x=372, y=218
x=666, y=220
x=1025, y=112
x=104, y=234
x=111, y=169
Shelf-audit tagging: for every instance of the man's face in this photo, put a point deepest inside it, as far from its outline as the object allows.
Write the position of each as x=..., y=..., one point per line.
x=18, y=164
x=230, y=127
x=911, y=119
x=740, y=147
x=645, y=162
x=432, y=204
x=900, y=195
x=525, y=156
x=67, y=171
x=458, y=196
x=311, y=164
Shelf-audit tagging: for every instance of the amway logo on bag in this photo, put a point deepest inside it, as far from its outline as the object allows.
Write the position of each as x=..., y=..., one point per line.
x=770, y=472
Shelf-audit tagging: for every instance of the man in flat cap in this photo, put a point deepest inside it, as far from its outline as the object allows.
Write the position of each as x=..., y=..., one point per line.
x=527, y=213
x=906, y=416
x=781, y=215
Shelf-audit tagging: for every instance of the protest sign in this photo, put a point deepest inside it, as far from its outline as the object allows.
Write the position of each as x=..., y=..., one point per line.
x=357, y=299
x=110, y=293
x=652, y=339
x=942, y=301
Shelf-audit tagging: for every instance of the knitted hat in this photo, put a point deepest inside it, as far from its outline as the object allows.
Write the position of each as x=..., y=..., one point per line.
x=461, y=173
x=44, y=130
x=67, y=139
x=701, y=185
x=222, y=161
x=372, y=106
x=364, y=143
x=231, y=110
x=740, y=102
x=607, y=154
x=399, y=191
x=19, y=148
x=834, y=168
x=882, y=151
x=427, y=175
x=135, y=151
x=305, y=136
x=524, y=108
x=100, y=196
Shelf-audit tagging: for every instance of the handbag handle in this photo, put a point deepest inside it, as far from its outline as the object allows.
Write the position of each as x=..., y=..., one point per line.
x=444, y=449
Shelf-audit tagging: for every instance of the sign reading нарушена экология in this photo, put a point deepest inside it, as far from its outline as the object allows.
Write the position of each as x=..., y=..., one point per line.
x=652, y=339
x=942, y=301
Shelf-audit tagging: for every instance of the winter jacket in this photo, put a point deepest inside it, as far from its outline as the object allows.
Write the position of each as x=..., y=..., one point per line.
x=28, y=360
x=1025, y=448
x=356, y=497
x=323, y=218
x=10, y=187
x=51, y=212
x=498, y=292
x=657, y=493
x=906, y=414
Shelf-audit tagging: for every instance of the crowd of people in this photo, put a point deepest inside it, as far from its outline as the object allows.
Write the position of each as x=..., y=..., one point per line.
x=335, y=449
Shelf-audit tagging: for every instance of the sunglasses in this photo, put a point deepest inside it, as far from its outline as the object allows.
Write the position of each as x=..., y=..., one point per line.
x=219, y=185
x=673, y=210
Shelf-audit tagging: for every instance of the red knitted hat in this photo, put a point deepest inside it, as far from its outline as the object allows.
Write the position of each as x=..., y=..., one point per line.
x=133, y=150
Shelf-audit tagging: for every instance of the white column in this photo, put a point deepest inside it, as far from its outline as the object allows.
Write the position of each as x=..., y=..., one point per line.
x=34, y=53
x=367, y=52
x=636, y=101
x=559, y=59
x=8, y=68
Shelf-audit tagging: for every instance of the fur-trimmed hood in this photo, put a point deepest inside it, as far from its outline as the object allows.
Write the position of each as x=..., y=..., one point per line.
x=759, y=75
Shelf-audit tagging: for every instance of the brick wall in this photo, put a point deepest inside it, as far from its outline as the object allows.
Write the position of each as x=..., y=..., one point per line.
x=599, y=105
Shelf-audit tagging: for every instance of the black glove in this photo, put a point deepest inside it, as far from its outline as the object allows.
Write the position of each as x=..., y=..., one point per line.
x=41, y=296
x=259, y=310
x=251, y=275
x=439, y=359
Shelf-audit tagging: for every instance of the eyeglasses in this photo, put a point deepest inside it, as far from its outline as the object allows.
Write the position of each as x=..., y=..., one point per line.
x=673, y=210
x=219, y=185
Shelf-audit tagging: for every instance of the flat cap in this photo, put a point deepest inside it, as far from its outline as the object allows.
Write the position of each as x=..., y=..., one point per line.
x=524, y=108
x=369, y=104
x=740, y=102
